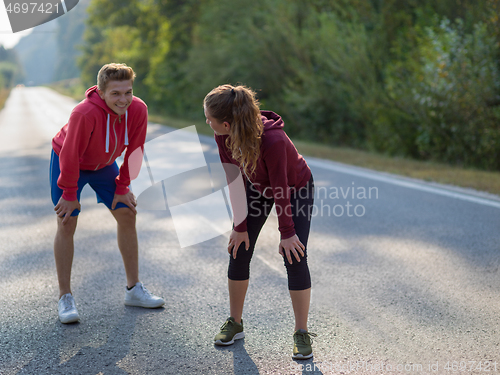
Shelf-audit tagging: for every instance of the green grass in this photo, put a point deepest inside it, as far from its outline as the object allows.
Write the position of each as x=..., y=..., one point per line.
x=428, y=171
x=70, y=87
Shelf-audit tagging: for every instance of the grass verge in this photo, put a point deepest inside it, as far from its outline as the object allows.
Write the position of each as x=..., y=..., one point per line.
x=70, y=87
x=4, y=94
x=428, y=171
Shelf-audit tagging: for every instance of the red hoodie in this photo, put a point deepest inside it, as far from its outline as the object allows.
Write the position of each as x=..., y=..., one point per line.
x=280, y=170
x=94, y=137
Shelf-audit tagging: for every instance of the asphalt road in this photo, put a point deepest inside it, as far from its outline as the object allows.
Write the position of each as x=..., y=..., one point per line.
x=405, y=276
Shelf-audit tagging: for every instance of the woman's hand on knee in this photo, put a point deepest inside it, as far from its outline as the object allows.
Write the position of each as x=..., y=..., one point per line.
x=290, y=246
x=235, y=240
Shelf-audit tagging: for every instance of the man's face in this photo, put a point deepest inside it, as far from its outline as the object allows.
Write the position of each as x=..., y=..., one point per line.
x=118, y=96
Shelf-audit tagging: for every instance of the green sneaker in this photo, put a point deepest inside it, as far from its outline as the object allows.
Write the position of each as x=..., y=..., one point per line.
x=229, y=332
x=302, y=344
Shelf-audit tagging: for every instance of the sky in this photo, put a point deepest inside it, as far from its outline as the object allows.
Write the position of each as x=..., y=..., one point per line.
x=7, y=38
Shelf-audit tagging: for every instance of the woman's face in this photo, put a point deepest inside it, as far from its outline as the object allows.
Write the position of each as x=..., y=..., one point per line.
x=220, y=128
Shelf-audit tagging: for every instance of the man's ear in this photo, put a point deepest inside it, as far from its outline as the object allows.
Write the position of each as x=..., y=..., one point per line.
x=101, y=94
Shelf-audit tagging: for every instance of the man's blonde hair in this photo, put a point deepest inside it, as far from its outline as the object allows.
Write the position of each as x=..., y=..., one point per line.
x=114, y=72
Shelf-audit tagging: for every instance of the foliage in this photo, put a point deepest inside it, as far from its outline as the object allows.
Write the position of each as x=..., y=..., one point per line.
x=133, y=32
x=10, y=73
x=69, y=38
x=416, y=78
x=251, y=45
x=450, y=94
x=332, y=94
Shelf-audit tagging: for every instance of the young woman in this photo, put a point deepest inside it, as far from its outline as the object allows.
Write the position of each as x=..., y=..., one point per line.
x=276, y=173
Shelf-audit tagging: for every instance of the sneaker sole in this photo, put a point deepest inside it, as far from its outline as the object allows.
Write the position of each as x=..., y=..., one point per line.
x=300, y=356
x=238, y=336
x=155, y=306
x=73, y=319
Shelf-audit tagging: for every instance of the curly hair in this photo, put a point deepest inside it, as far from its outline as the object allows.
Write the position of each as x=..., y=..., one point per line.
x=238, y=106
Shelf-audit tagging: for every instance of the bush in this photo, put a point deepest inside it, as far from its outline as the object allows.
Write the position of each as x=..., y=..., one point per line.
x=8, y=72
x=332, y=95
x=448, y=97
x=251, y=44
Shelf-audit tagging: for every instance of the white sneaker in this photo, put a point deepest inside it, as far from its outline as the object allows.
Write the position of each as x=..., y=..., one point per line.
x=67, y=309
x=140, y=296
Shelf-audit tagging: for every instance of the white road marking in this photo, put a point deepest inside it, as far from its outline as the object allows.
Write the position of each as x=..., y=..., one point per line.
x=421, y=186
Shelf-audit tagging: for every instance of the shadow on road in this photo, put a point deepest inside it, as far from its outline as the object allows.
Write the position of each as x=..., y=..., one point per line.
x=242, y=363
x=92, y=358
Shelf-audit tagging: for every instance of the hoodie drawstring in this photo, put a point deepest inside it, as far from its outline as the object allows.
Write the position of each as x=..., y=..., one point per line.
x=126, y=129
x=107, y=135
x=107, y=132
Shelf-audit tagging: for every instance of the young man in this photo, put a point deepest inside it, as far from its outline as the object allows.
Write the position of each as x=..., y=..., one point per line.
x=108, y=121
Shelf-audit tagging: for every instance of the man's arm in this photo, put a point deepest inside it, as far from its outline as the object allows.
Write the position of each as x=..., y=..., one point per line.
x=131, y=165
x=75, y=143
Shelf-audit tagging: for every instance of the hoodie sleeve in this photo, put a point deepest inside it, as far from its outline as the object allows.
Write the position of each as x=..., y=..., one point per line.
x=226, y=159
x=276, y=162
x=76, y=141
x=136, y=140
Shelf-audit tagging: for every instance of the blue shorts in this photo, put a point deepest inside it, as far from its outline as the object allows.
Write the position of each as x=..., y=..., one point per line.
x=102, y=181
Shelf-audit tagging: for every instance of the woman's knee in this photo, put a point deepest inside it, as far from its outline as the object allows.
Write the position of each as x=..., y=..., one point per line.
x=299, y=277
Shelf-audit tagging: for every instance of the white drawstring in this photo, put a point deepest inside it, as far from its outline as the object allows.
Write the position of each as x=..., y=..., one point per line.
x=107, y=132
x=107, y=135
x=126, y=129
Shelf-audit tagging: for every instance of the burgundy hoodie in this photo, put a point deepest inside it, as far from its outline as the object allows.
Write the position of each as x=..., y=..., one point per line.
x=280, y=170
x=94, y=137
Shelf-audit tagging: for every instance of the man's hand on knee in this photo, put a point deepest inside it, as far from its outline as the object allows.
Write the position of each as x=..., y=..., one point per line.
x=64, y=208
x=127, y=199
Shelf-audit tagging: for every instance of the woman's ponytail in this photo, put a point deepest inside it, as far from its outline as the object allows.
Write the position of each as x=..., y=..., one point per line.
x=239, y=107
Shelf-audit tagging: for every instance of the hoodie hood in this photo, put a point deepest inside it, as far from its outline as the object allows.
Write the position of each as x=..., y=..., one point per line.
x=271, y=121
x=93, y=96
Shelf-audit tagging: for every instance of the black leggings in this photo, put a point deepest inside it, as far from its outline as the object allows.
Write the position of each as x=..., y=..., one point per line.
x=259, y=208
